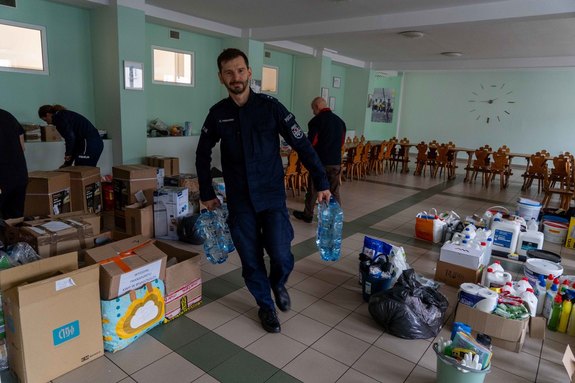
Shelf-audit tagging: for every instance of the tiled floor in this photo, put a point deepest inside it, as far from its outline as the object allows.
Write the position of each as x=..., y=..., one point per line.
x=328, y=336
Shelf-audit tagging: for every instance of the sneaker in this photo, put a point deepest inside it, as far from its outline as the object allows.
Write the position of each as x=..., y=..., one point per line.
x=283, y=300
x=302, y=216
x=269, y=319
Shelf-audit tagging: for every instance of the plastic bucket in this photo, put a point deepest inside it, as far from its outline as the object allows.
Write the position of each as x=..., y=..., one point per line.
x=555, y=232
x=528, y=212
x=449, y=371
x=534, y=267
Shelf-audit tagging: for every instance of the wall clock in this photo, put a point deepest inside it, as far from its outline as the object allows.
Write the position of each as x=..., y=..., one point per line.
x=491, y=103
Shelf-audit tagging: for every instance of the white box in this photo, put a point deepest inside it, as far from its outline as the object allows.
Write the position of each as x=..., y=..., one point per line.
x=170, y=204
x=468, y=257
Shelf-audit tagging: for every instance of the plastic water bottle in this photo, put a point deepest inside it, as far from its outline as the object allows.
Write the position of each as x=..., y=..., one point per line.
x=329, y=230
x=541, y=290
x=222, y=213
x=549, y=298
x=214, y=238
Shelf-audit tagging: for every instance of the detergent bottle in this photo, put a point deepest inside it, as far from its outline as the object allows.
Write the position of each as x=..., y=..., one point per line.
x=565, y=313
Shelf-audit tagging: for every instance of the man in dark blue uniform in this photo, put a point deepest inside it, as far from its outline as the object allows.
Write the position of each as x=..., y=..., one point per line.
x=248, y=126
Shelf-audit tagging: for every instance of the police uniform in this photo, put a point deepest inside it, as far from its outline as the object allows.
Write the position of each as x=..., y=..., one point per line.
x=83, y=141
x=253, y=174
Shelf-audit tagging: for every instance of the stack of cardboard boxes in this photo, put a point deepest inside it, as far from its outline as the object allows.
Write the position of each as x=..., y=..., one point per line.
x=48, y=193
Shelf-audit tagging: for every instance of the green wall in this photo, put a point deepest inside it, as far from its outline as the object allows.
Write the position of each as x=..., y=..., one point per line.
x=437, y=106
x=307, y=77
x=338, y=93
x=176, y=104
x=355, y=107
x=285, y=64
x=69, y=81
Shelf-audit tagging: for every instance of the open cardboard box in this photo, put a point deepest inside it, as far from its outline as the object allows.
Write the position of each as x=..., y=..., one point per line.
x=569, y=363
x=53, y=317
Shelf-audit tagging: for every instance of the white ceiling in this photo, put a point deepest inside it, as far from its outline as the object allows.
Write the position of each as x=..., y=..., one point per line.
x=491, y=34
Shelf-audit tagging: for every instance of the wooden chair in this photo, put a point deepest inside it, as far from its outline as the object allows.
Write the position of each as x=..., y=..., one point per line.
x=372, y=166
x=364, y=162
x=291, y=175
x=303, y=175
x=442, y=162
x=353, y=165
x=500, y=167
x=421, y=159
x=564, y=190
x=355, y=140
x=432, y=156
x=362, y=138
x=536, y=171
x=481, y=165
x=348, y=141
x=398, y=155
x=558, y=173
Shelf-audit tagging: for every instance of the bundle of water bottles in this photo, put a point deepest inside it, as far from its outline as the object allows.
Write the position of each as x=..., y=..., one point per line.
x=212, y=226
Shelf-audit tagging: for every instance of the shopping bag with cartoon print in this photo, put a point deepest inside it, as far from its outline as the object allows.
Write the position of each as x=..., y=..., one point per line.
x=131, y=315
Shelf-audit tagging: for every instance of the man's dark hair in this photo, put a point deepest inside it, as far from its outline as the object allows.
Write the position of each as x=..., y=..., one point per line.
x=230, y=54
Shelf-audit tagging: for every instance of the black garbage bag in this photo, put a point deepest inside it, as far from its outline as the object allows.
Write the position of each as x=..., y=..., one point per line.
x=188, y=232
x=409, y=310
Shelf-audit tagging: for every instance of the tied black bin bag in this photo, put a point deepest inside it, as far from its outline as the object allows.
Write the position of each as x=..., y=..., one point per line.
x=409, y=310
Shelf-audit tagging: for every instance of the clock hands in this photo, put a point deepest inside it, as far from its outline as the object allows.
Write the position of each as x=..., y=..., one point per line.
x=489, y=101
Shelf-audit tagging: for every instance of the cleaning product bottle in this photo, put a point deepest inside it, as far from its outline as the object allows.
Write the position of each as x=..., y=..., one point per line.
x=505, y=235
x=549, y=281
x=571, y=325
x=541, y=290
x=565, y=313
x=549, y=297
x=508, y=288
x=530, y=301
x=498, y=279
x=522, y=285
x=470, y=230
x=531, y=239
x=496, y=266
x=555, y=314
x=564, y=286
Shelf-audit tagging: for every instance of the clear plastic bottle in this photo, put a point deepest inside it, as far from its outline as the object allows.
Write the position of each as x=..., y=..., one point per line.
x=222, y=213
x=329, y=230
x=549, y=297
x=214, y=239
x=541, y=289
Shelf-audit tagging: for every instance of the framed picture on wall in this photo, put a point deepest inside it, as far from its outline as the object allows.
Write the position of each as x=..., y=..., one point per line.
x=324, y=93
x=336, y=82
x=133, y=75
x=332, y=103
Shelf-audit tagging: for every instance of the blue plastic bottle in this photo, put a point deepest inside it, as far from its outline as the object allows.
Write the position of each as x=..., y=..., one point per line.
x=329, y=230
x=214, y=241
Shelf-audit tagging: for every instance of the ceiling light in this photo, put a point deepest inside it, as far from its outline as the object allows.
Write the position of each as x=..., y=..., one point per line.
x=412, y=34
x=452, y=54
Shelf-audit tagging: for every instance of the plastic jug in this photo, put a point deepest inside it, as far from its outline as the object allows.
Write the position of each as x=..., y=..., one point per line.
x=508, y=288
x=532, y=239
x=497, y=278
x=522, y=285
x=505, y=235
x=530, y=301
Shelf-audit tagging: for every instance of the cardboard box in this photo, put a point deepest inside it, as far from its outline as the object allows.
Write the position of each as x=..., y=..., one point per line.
x=53, y=236
x=170, y=204
x=53, y=317
x=570, y=240
x=186, y=180
x=49, y=133
x=569, y=363
x=85, y=187
x=139, y=220
x=32, y=133
x=171, y=165
x=183, y=280
x=505, y=333
x=47, y=193
x=127, y=265
x=468, y=257
x=129, y=179
x=455, y=275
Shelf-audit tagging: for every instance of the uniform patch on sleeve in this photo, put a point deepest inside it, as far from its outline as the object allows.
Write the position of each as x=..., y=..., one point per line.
x=288, y=117
x=296, y=131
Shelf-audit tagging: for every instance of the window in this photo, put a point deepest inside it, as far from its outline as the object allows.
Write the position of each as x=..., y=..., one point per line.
x=269, y=79
x=22, y=47
x=173, y=67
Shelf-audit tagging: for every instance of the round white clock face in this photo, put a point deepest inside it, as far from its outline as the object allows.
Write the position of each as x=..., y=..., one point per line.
x=491, y=103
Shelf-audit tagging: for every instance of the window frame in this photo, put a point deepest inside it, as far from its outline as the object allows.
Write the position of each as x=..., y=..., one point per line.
x=174, y=50
x=44, y=47
x=277, y=70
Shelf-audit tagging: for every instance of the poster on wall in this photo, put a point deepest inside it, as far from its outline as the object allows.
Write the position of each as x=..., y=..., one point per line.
x=383, y=105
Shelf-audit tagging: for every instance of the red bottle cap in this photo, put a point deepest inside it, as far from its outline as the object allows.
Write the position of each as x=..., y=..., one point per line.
x=529, y=289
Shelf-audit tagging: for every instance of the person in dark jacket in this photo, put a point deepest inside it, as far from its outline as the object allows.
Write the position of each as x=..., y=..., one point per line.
x=248, y=126
x=83, y=142
x=13, y=170
x=326, y=132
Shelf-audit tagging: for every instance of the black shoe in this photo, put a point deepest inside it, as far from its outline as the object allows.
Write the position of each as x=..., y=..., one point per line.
x=283, y=300
x=269, y=319
x=300, y=215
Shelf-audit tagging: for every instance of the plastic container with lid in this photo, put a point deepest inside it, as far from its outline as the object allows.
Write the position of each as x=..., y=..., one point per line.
x=532, y=239
x=534, y=267
x=505, y=235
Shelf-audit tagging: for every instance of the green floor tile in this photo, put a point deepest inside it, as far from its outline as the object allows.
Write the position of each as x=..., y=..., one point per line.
x=243, y=368
x=217, y=288
x=235, y=278
x=282, y=377
x=208, y=351
x=178, y=332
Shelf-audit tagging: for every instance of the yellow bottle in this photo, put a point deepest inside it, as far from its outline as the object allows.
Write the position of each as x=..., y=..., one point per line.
x=571, y=325
x=565, y=313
